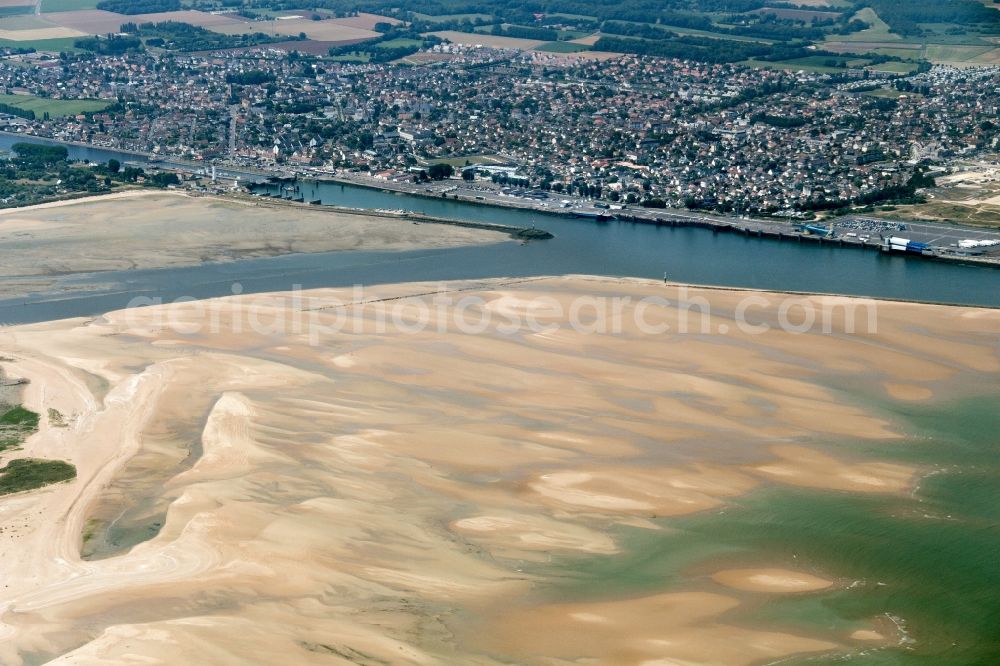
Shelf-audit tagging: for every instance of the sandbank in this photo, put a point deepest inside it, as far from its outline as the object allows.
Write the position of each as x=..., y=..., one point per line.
x=344, y=489
x=43, y=245
x=774, y=581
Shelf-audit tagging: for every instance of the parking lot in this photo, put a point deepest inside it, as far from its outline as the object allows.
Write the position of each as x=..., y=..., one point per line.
x=938, y=235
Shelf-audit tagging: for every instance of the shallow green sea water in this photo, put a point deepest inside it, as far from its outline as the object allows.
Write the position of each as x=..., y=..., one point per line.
x=928, y=563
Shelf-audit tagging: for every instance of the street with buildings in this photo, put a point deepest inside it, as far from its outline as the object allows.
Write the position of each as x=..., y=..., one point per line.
x=726, y=138
x=535, y=130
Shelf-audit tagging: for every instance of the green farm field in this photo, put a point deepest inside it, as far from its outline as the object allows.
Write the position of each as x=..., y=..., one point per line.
x=54, y=107
x=51, y=6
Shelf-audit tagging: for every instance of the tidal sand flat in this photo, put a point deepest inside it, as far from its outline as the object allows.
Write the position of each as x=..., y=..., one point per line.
x=134, y=230
x=538, y=471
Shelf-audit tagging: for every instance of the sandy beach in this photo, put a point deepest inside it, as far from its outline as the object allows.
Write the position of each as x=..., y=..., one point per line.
x=262, y=479
x=47, y=243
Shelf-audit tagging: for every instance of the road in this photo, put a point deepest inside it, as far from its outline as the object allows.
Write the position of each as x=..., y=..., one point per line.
x=233, y=114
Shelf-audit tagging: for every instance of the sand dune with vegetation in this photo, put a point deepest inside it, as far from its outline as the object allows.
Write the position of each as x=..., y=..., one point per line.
x=317, y=479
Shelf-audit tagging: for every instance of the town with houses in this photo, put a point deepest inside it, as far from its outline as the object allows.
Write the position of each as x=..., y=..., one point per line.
x=630, y=129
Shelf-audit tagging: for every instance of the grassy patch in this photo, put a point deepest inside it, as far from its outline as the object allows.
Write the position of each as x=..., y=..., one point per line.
x=20, y=417
x=574, y=34
x=900, y=53
x=54, y=107
x=945, y=211
x=56, y=419
x=951, y=53
x=16, y=425
x=561, y=47
x=826, y=60
x=32, y=473
x=823, y=63
x=90, y=529
x=895, y=67
x=877, y=30
x=59, y=44
x=68, y=5
x=356, y=56
x=399, y=43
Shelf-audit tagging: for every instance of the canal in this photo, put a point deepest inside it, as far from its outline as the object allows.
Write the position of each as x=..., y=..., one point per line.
x=580, y=246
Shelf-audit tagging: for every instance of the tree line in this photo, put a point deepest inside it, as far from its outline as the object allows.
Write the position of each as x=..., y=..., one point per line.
x=905, y=17
x=131, y=7
x=12, y=110
x=704, y=49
